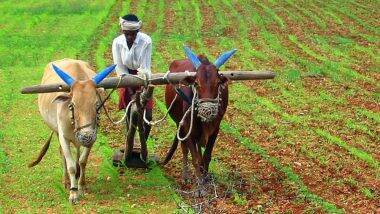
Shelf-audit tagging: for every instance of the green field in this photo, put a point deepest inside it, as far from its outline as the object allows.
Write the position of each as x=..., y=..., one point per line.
x=307, y=141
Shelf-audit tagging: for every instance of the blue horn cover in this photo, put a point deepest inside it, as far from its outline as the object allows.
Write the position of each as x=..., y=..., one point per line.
x=224, y=57
x=64, y=76
x=103, y=74
x=192, y=57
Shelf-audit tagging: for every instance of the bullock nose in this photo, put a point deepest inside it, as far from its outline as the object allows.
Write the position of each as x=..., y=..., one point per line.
x=86, y=138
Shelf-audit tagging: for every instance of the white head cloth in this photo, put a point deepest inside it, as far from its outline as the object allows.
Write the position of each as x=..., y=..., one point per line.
x=129, y=25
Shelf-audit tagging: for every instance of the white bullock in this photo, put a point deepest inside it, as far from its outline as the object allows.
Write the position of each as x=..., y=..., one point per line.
x=73, y=116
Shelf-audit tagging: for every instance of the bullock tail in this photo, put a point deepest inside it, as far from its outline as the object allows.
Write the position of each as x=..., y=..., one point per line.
x=42, y=152
x=171, y=151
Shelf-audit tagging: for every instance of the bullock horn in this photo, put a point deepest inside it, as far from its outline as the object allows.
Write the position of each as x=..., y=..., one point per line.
x=224, y=57
x=63, y=75
x=192, y=57
x=103, y=74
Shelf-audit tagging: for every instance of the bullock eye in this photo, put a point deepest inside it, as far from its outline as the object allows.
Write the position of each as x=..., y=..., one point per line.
x=71, y=106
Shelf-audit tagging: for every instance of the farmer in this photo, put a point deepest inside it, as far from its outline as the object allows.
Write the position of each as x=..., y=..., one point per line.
x=132, y=53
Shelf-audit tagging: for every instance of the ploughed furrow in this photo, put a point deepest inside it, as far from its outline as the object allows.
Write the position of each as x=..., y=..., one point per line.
x=288, y=90
x=316, y=160
x=287, y=105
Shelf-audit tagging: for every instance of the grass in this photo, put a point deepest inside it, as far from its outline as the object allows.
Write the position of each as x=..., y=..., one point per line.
x=30, y=65
x=107, y=190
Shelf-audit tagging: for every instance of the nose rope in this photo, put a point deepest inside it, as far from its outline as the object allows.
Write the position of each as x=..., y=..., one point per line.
x=76, y=129
x=105, y=109
x=208, y=108
x=190, y=109
x=83, y=139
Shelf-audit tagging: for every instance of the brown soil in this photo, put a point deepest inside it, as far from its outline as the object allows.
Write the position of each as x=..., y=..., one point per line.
x=315, y=175
x=249, y=175
x=298, y=29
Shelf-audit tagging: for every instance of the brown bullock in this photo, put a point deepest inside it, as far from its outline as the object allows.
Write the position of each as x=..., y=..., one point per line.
x=208, y=91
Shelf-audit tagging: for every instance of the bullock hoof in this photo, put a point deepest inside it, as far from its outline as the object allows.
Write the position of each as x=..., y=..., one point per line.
x=117, y=158
x=74, y=197
x=135, y=161
x=207, y=178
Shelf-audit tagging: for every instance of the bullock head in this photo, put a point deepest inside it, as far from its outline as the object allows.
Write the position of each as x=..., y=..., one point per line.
x=83, y=102
x=208, y=82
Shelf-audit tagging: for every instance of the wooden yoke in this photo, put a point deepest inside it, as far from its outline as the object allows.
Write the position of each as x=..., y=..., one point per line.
x=157, y=79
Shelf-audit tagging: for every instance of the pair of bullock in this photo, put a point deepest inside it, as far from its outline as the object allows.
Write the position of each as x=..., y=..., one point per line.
x=74, y=116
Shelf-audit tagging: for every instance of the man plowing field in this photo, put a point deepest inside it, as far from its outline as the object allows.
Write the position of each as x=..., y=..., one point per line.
x=132, y=52
x=197, y=107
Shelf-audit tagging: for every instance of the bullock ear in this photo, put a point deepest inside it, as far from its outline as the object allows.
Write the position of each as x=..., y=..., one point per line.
x=192, y=57
x=61, y=98
x=63, y=75
x=224, y=57
x=103, y=74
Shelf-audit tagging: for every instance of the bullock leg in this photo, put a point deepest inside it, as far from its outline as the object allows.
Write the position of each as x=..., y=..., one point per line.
x=82, y=164
x=196, y=158
x=71, y=168
x=77, y=174
x=185, y=162
x=197, y=163
x=208, y=151
x=66, y=180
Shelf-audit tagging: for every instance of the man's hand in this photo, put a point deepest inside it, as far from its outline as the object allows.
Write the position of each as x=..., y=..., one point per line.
x=144, y=72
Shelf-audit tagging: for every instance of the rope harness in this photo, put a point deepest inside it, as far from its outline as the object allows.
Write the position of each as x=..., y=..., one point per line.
x=191, y=110
x=207, y=108
x=78, y=136
x=76, y=128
